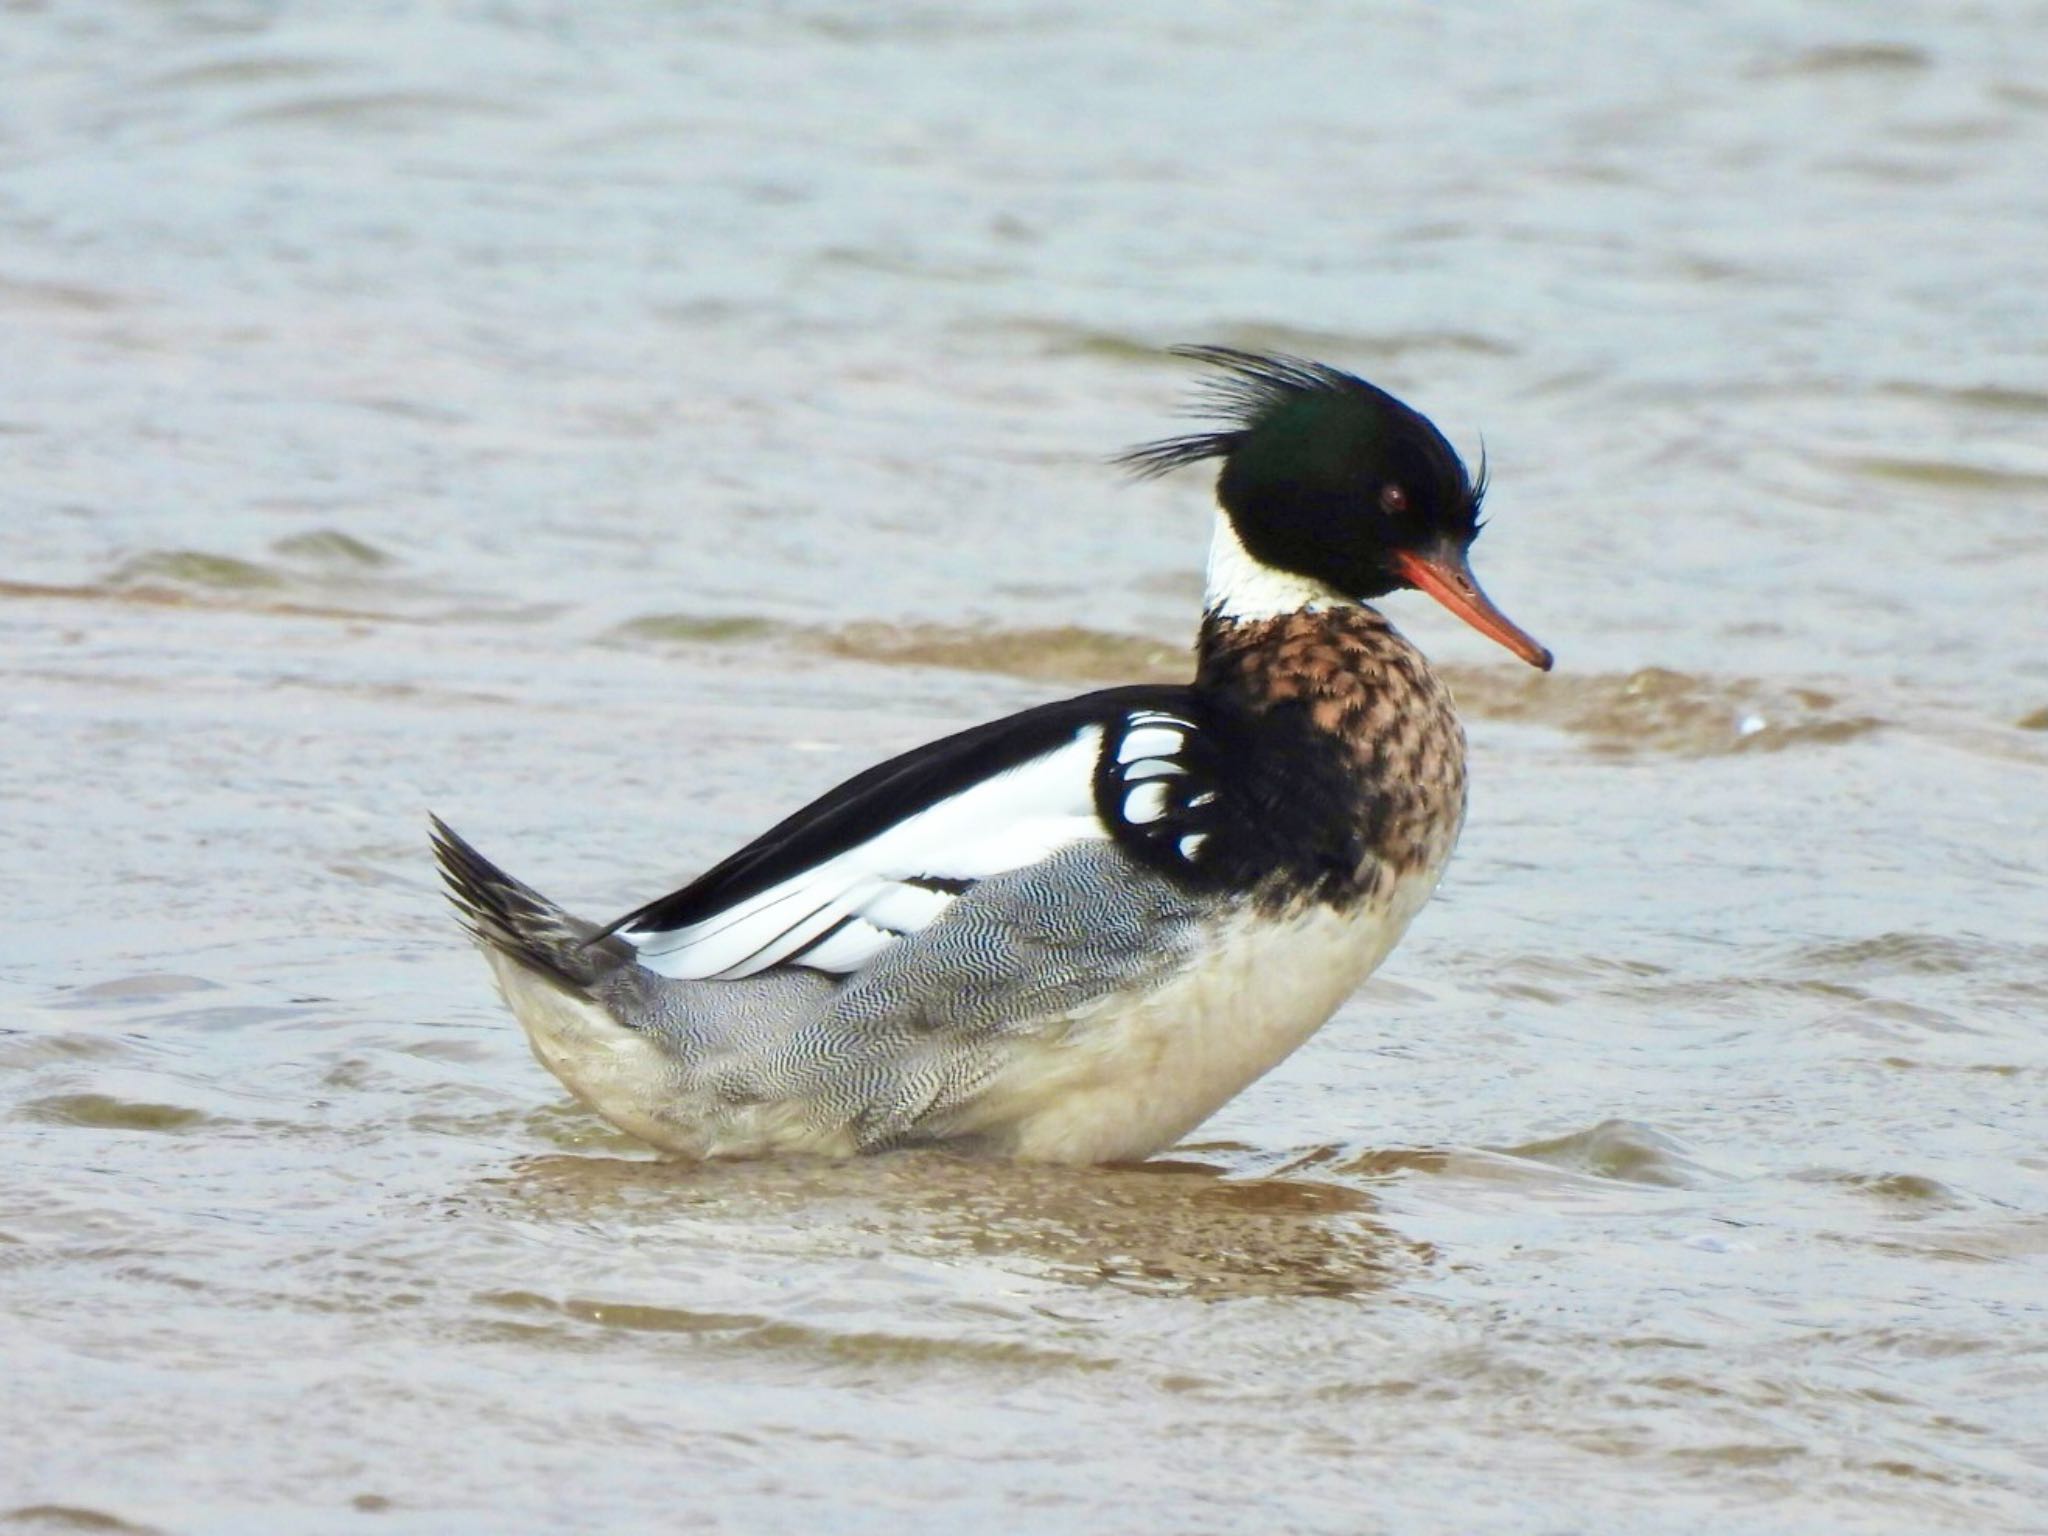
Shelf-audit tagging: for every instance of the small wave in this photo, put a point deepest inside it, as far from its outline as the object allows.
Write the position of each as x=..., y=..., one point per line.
x=1062, y=653
x=212, y=74
x=1652, y=710
x=694, y=629
x=70, y=1520
x=41, y=295
x=1624, y=1150
x=321, y=573
x=130, y=991
x=189, y=569
x=1852, y=59
x=1363, y=349
x=330, y=549
x=100, y=1111
x=633, y=1317
x=1909, y=1191
x=1949, y=474
x=1916, y=954
x=1058, y=652
x=572, y=1315
x=1988, y=397
x=316, y=558
x=1659, y=710
x=375, y=110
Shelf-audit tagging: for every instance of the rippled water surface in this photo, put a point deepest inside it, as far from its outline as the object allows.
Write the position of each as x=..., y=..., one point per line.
x=610, y=424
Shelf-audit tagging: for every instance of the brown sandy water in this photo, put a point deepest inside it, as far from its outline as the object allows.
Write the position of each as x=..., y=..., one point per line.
x=608, y=426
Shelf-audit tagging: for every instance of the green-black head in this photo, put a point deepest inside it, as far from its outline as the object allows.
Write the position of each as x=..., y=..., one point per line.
x=1328, y=477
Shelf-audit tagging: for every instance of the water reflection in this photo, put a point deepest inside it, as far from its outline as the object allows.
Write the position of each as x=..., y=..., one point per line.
x=1171, y=1228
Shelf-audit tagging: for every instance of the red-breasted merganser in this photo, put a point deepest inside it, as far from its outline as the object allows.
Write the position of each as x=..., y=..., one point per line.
x=1068, y=935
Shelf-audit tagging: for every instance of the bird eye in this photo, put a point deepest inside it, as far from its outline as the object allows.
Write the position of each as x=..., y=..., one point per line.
x=1393, y=500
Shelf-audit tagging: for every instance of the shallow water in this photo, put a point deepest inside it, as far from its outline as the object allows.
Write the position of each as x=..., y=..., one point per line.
x=608, y=425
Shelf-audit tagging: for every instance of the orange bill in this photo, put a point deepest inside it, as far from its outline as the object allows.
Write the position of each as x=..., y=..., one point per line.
x=1447, y=577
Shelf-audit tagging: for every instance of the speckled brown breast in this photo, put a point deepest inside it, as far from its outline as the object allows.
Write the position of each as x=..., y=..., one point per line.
x=1353, y=721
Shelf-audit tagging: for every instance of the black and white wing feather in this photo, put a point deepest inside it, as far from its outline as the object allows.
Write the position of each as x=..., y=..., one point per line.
x=887, y=853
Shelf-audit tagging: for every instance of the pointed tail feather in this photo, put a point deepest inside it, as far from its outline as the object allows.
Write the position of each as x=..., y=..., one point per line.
x=514, y=919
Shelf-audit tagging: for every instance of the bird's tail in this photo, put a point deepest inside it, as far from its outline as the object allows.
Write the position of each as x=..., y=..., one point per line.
x=513, y=919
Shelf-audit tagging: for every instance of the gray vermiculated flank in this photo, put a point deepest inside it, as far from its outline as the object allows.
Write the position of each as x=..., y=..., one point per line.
x=895, y=1049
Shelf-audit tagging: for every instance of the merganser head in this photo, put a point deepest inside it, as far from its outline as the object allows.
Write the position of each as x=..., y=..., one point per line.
x=1327, y=478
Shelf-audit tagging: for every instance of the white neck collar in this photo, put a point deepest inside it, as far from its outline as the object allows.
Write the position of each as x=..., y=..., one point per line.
x=1243, y=587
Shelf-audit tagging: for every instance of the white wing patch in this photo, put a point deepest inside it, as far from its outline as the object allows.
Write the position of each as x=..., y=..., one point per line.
x=841, y=913
x=1148, y=737
x=1152, y=768
x=1145, y=803
x=1164, y=803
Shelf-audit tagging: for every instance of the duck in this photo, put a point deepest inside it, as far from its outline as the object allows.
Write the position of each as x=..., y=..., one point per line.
x=1069, y=935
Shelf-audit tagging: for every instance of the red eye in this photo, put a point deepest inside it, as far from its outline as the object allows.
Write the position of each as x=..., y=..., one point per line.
x=1393, y=500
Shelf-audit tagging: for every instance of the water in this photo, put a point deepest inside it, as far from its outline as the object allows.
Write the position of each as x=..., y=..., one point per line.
x=608, y=425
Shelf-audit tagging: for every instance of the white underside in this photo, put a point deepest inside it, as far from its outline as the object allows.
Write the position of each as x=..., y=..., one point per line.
x=619, y=1072
x=1137, y=1074
x=1119, y=1081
